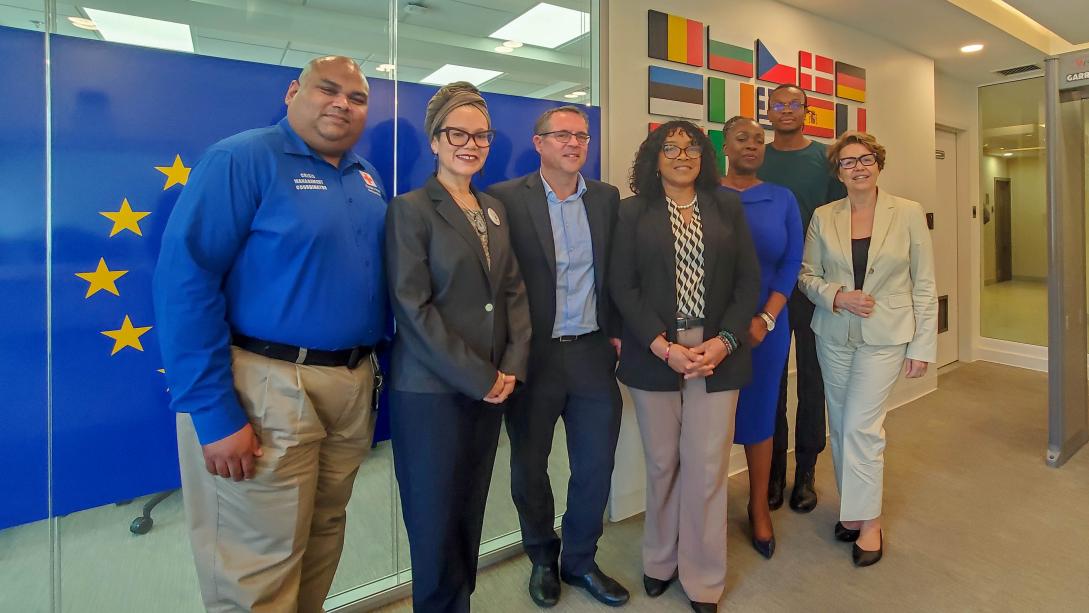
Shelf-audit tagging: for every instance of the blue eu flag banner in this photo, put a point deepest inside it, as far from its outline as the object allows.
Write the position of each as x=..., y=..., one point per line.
x=129, y=124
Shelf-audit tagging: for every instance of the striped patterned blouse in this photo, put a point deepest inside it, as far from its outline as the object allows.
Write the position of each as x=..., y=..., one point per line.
x=688, y=245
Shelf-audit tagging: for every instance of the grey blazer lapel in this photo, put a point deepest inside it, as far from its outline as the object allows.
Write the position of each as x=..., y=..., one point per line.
x=597, y=217
x=537, y=203
x=451, y=212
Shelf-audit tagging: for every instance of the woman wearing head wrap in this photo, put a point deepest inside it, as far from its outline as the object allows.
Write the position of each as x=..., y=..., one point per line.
x=462, y=342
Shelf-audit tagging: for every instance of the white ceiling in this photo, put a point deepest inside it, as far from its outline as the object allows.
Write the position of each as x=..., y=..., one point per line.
x=292, y=32
x=936, y=29
x=1067, y=18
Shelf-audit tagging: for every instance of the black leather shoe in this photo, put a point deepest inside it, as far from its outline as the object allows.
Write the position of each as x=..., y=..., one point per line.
x=601, y=586
x=846, y=534
x=544, y=585
x=704, y=607
x=656, y=587
x=868, y=558
x=804, y=498
x=775, y=493
x=764, y=548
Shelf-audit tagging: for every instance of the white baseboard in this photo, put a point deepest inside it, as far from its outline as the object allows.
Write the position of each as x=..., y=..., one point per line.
x=1020, y=355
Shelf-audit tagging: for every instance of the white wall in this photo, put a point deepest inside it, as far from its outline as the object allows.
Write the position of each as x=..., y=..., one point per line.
x=900, y=113
x=956, y=106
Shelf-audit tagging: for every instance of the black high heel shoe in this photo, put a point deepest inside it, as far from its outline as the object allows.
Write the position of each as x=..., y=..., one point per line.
x=846, y=534
x=862, y=557
x=656, y=587
x=764, y=548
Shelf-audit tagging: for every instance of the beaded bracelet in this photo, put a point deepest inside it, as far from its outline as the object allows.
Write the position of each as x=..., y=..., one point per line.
x=729, y=340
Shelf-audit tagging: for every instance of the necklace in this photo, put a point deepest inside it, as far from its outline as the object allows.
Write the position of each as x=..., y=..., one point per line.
x=681, y=207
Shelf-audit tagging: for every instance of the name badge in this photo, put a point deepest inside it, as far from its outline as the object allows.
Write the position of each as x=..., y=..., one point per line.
x=492, y=215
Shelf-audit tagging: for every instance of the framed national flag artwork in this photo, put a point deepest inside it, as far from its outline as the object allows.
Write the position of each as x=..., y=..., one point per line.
x=815, y=73
x=674, y=93
x=731, y=59
x=850, y=82
x=820, y=121
x=769, y=69
x=674, y=39
x=848, y=119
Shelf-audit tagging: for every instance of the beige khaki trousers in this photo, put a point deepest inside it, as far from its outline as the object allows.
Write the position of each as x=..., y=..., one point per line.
x=271, y=544
x=687, y=437
x=858, y=379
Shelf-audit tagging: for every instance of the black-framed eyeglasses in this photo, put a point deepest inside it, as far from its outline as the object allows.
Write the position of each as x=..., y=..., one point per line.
x=866, y=160
x=672, y=152
x=459, y=138
x=564, y=136
x=794, y=105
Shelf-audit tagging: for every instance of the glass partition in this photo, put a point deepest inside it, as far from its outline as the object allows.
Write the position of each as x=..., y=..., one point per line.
x=1013, y=299
x=118, y=101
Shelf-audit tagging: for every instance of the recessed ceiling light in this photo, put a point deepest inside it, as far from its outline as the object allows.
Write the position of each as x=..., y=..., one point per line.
x=83, y=24
x=132, y=30
x=503, y=49
x=1007, y=155
x=513, y=44
x=386, y=67
x=971, y=48
x=563, y=24
x=452, y=72
x=577, y=94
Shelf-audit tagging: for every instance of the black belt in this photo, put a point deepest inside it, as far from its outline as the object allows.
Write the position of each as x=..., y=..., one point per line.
x=687, y=323
x=573, y=337
x=301, y=355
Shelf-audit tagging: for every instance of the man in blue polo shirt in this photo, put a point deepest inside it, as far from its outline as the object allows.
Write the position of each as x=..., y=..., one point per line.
x=270, y=293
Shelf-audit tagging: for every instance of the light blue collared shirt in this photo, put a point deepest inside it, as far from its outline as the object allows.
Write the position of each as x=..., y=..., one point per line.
x=576, y=298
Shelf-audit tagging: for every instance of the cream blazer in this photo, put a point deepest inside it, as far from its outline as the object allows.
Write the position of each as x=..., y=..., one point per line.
x=899, y=275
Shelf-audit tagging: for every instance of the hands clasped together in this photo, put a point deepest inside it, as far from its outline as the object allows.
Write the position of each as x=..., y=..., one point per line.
x=692, y=362
x=858, y=302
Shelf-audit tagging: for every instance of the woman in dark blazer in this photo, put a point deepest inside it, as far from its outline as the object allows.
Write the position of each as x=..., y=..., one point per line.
x=686, y=280
x=462, y=341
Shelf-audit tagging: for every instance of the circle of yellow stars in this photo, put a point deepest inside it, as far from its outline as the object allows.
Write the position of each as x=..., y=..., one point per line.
x=104, y=279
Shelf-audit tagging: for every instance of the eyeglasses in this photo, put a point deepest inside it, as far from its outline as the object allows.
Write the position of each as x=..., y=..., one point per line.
x=866, y=160
x=794, y=105
x=460, y=138
x=672, y=152
x=563, y=136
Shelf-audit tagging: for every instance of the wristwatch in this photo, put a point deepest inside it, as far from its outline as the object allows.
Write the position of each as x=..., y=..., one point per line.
x=768, y=320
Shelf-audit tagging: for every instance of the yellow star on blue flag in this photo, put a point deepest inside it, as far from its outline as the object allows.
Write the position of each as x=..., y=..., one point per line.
x=125, y=219
x=176, y=174
x=102, y=278
x=126, y=336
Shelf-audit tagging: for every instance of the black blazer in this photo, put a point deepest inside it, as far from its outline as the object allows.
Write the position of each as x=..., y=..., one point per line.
x=457, y=322
x=644, y=281
x=531, y=235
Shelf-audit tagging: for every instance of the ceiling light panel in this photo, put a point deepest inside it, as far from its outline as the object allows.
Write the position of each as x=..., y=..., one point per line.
x=452, y=72
x=133, y=30
x=546, y=25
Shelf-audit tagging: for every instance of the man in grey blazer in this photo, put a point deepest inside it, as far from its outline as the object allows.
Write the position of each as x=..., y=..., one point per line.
x=561, y=226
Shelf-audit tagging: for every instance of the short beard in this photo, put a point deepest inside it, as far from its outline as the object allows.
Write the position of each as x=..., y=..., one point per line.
x=800, y=128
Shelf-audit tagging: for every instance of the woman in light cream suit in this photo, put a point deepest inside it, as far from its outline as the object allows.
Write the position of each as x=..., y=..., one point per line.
x=868, y=265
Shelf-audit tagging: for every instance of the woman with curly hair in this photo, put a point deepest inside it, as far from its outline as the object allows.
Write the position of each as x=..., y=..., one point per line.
x=685, y=278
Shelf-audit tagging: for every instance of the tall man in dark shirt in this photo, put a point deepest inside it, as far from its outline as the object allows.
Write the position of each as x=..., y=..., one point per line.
x=794, y=161
x=561, y=229
x=270, y=293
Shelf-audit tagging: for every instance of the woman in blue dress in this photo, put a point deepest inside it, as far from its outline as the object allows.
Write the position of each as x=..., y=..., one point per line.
x=776, y=226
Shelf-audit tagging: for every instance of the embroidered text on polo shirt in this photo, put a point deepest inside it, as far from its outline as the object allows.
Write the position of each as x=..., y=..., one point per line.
x=307, y=180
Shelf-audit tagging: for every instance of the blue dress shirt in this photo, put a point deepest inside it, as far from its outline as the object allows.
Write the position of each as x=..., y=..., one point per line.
x=576, y=300
x=270, y=241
